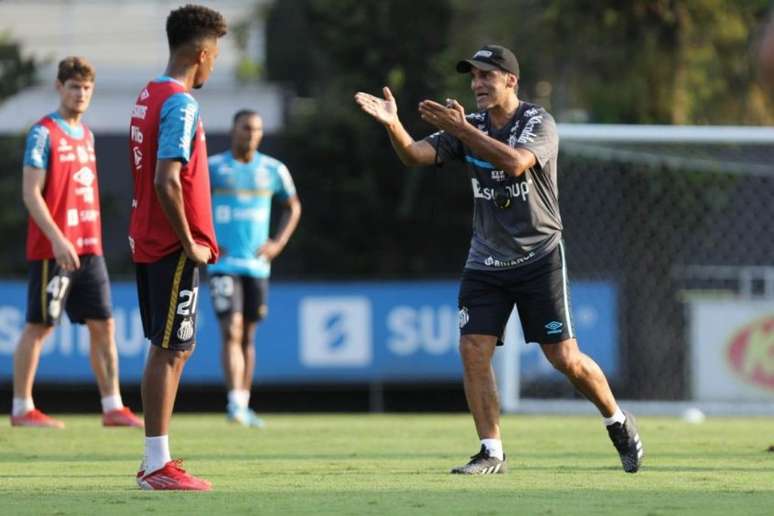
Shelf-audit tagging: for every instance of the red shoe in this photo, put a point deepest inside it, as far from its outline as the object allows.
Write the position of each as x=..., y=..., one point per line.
x=121, y=417
x=172, y=477
x=36, y=418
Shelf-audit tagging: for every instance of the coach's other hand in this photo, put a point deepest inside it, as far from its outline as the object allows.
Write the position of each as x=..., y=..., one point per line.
x=384, y=110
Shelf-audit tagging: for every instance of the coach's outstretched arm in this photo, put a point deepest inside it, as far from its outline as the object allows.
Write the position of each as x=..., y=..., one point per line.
x=451, y=119
x=385, y=111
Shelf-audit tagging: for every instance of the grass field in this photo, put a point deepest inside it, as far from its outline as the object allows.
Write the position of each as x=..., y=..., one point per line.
x=393, y=464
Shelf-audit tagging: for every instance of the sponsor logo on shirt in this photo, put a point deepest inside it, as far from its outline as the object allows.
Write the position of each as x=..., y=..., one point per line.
x=72, y=217
x=189, y=115
x=138, y=111
x=86, y=242
x=137, y=153
x=136, y=134
x=83, y=155
x=89, y=215
x=528, y=134
x=144, y=94
x=498, y=175
x=519, y=190
x=85, y=177
x=63, y=146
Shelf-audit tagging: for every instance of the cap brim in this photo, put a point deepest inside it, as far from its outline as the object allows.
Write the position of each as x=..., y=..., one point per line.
x=465, y=65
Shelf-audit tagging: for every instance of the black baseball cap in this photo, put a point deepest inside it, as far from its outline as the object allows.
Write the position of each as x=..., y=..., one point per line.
x=491, y=57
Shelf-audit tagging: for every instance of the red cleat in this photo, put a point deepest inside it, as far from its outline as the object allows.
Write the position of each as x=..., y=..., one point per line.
x=121, y=417
x=172, y=477
x=36, y=418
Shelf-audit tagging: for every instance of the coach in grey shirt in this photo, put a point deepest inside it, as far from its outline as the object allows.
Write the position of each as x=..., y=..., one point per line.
x=516, y=253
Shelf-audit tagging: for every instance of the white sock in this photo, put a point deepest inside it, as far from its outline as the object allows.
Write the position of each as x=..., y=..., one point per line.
x=494, y=447
x=112, y=402
x=617, y=417
x=21, y=406
x=245, y=398
x=235, y=398
x=156, y=453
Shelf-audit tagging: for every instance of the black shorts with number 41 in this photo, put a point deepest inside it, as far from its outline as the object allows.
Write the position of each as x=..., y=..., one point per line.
x=167, y=291
x=539, y=290
x=83, y=293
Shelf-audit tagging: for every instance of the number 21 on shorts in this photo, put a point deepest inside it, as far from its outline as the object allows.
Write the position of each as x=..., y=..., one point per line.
x=187, y=306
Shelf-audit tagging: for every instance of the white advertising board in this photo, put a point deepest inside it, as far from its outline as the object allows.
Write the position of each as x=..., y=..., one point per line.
x=732, y=350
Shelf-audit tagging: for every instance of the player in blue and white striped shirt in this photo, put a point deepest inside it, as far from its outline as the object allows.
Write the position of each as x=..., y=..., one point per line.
x=243, y=182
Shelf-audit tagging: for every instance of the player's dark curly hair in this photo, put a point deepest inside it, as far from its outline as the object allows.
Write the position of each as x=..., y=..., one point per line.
x=75, y=67
x=194, y=22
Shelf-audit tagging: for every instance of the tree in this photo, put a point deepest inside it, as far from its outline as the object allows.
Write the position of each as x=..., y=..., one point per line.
x=643, y=61
x=16, y=73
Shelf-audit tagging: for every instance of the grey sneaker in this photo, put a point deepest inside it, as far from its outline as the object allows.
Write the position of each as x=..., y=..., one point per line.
x=626, y=440
x=482, y=464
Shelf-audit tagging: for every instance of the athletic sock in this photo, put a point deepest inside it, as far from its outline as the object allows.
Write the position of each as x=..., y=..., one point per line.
x=21, y=406
x=244, y=398
x=112, y=402
x=235, y=398
x=156, y=453
x=494, y=447
x=617, y=417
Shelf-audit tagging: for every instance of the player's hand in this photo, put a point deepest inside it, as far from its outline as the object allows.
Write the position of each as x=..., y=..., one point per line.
x=199, y=254
x=383, y=110
x=65, y=254
x=449, y=118
x=270, y=250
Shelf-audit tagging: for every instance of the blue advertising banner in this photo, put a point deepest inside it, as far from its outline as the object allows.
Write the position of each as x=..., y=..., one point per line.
x=316, y=332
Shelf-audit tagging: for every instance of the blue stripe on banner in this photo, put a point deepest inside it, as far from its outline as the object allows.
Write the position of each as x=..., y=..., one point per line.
x=315, y=332
x=479, y=162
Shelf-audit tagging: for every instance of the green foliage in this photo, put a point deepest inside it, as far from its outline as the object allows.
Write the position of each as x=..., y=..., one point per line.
x=16, y=73
x=346, y=171
x=643, y=61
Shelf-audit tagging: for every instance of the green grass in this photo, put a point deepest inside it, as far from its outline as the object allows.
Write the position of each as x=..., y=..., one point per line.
x=393, y=464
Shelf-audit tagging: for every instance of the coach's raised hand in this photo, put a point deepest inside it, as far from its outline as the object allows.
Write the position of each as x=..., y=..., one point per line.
x=384, y=110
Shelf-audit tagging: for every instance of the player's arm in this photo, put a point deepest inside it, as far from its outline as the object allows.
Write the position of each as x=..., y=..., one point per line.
x=412, y=153
x=169, y=191
x=513, y=161
x=287, y=224
x=33, y=182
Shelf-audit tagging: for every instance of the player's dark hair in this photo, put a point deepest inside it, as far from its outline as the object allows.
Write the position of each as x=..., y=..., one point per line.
x=75, y=67
x=242, y=112
x=194, y=22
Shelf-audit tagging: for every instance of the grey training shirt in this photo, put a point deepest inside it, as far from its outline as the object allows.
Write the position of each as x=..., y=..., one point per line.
x=505, y=238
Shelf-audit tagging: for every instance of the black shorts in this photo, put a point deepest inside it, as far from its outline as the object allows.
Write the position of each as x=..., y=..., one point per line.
x=540, y=291
x=167, y=291
x=240, y=294
x=83, y=293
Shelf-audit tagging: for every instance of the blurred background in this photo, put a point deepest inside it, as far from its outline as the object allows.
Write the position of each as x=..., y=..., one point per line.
x=665, y=174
